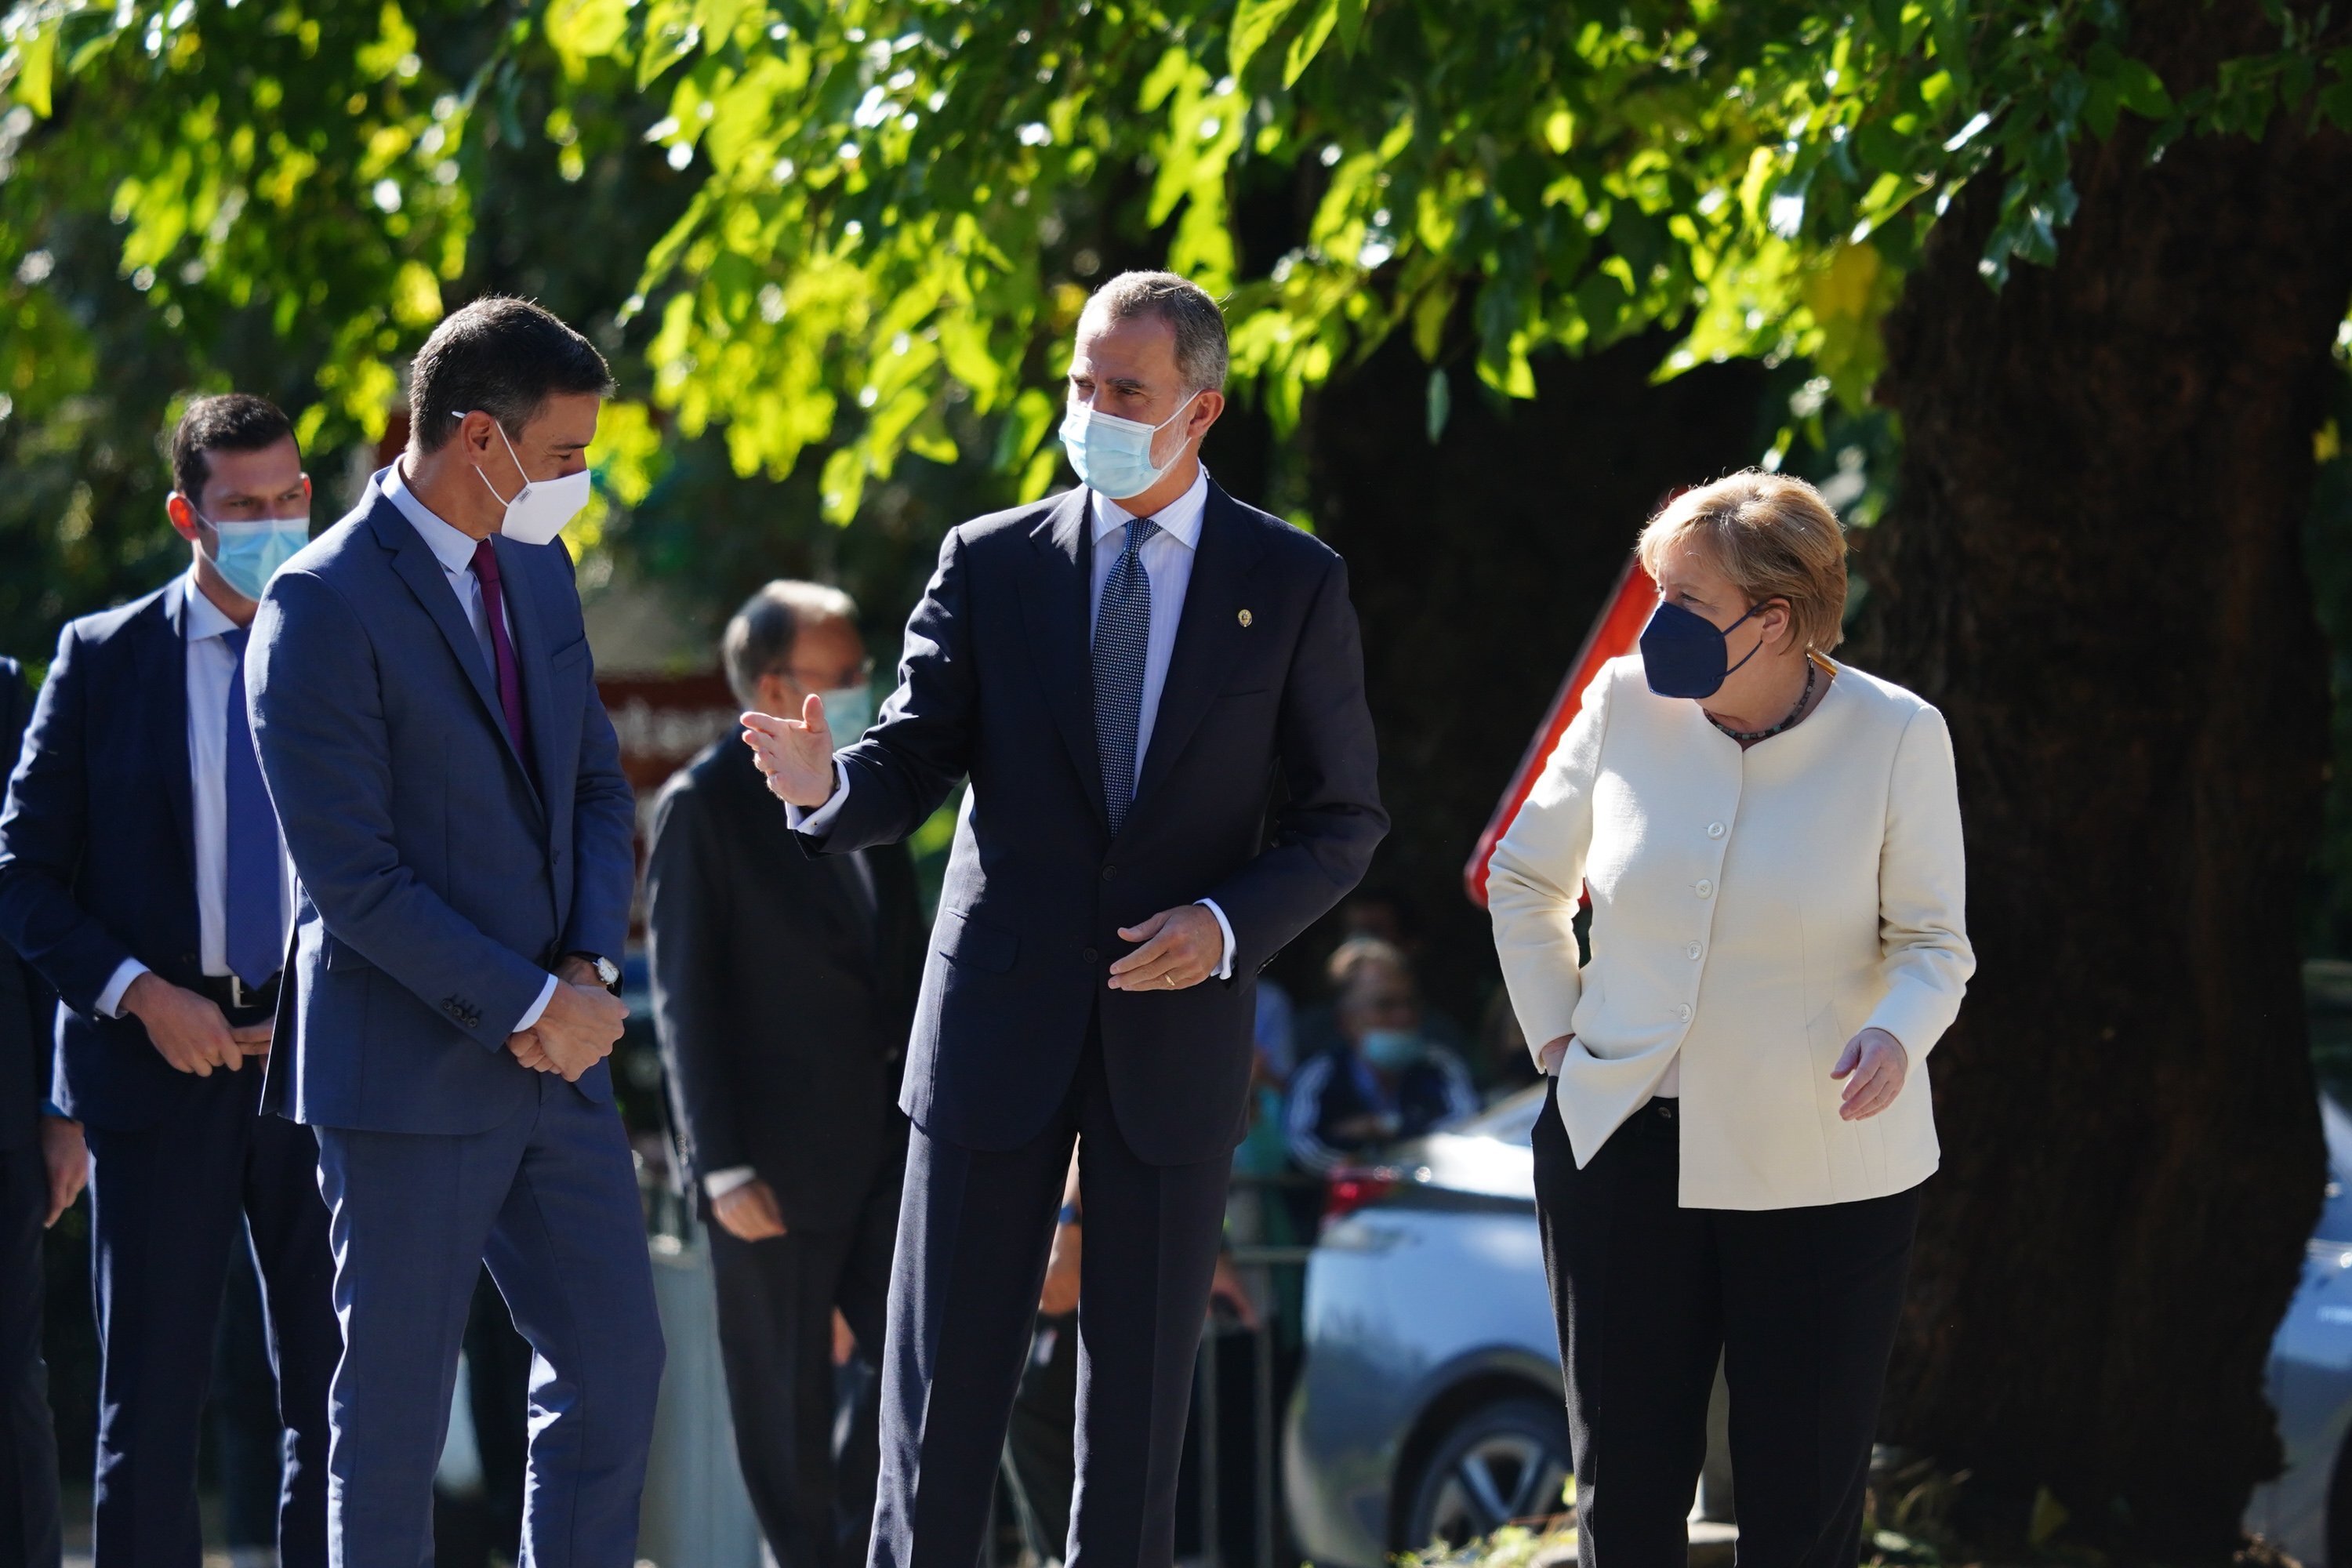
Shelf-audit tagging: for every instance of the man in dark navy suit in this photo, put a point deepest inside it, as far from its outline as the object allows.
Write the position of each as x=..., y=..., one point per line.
x=451, y=789
x=1125, y=675
x=142, y=874
x=43, y=1165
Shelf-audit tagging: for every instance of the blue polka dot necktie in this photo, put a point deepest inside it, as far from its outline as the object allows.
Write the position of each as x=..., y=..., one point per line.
x=1122, y=642
x=254, y=936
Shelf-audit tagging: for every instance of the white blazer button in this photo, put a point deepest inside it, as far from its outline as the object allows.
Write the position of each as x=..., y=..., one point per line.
x=1714, y=830
x=1691, y=952
x=1706, y=888
x=1682, y=1012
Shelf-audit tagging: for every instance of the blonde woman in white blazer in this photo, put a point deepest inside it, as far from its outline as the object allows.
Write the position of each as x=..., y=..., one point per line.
x=1740, y=1118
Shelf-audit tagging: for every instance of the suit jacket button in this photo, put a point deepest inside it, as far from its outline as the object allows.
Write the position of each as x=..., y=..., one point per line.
x=1109, y=873
x=1090, y=955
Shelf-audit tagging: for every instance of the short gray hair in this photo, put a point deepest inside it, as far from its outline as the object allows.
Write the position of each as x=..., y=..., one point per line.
x=760, y=637
x=1185, y=306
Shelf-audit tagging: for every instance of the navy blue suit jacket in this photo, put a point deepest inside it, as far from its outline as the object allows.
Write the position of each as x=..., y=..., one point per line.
x=1265, y=687
x=96, y=848
x=25, y=1002
x=442, y=875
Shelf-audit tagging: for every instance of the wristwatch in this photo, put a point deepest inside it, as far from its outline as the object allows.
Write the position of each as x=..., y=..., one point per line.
x=608, y=974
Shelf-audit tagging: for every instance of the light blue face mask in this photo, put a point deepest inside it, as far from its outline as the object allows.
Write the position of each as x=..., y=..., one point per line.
x=1392, y=1050
x=848, y=710
x=1112, y=456
x=248, y=554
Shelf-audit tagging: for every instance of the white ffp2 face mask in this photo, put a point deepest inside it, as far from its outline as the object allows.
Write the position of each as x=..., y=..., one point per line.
x=542, y=507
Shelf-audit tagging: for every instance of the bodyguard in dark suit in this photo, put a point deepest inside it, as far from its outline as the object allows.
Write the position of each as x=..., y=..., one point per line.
x=42, y=1166
x=141, y=873
x=787, y=1117
x=427, y=717
x=1123, y=674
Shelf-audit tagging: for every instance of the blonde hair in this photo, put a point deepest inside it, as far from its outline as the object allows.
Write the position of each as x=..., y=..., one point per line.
x=1774, y=537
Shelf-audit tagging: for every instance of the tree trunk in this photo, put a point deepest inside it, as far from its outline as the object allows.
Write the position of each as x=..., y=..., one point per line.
x=1477, y=563
x=2093, y=567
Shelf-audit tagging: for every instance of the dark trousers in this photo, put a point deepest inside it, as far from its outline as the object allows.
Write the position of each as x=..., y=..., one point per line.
x=1801, y=1305
x=973, y=1233
x=776, y=1301
x=548, y=1200
x=28, y=1443
x=168, y=1205
x=1041, y=1447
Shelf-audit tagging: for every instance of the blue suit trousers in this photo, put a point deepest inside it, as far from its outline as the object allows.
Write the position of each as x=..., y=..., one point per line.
x=169, y=1203
x=548, y=1200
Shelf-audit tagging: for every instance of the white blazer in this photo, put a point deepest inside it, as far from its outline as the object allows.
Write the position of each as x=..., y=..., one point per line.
x=1751, y=912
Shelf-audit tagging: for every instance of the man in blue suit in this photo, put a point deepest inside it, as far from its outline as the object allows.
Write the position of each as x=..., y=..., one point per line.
x=452, y=793
x=1124, y=674
x=43, y=1163
x=141, y=873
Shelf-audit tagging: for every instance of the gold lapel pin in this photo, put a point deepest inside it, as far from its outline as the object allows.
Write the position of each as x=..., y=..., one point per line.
x=1245, y=618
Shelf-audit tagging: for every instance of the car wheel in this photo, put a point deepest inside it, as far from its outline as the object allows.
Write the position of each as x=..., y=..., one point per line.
x=1503, y=1461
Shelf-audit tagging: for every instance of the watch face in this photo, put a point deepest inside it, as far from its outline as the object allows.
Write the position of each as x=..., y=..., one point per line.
x=608, y=972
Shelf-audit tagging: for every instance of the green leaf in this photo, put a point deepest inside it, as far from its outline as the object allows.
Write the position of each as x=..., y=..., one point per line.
x=37, y=58
x=1254, y=22
x=2141, y=89
x=1351, y=26
x=1440, y=398
x=1309, y=42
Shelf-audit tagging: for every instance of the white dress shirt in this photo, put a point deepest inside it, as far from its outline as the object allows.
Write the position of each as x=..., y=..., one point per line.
x=455, y=551
x=211, y=668
x=1752, y=911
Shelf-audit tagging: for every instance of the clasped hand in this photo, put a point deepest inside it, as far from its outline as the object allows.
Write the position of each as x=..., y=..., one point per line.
x=1182, y=947
x=189, y=1030
x=579, y=1029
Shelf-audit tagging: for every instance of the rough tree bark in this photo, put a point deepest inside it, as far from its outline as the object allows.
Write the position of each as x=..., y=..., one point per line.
x=2093, y=567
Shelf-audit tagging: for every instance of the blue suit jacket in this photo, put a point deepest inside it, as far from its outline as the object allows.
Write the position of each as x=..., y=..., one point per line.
x=25, y=1003
x=442, y=875
x=1264, y=689
x=96, y=858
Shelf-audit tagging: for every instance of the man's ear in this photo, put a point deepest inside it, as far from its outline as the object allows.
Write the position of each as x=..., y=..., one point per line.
x=1206, y=410
x=183, y=516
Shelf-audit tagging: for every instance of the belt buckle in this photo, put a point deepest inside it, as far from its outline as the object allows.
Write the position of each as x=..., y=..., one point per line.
x=239, y=996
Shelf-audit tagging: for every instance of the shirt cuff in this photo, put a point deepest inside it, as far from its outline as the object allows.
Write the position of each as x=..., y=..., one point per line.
x=796, y=815
x=718, y=1184
x=546, y=994
x=109, y=1001
x=54, y=1112
x=1224, y=970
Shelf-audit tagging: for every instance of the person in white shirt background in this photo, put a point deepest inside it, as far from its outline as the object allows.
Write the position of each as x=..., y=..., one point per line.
x=143, y=874
x=1730, y=1163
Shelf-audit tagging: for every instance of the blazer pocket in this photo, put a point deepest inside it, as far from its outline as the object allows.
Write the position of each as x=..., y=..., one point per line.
x=341, y=958
x=973, y=944
x=570, y=654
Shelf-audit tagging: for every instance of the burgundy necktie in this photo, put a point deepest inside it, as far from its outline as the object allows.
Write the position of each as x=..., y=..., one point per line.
x=494, y=599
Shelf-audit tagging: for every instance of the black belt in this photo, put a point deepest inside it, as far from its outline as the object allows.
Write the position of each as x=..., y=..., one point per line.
x=232, y=994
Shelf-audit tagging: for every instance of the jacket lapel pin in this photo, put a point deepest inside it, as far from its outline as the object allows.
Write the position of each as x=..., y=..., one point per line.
x=1245, y=618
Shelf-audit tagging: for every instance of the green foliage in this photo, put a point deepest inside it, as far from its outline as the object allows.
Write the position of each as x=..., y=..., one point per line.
x=884, y=214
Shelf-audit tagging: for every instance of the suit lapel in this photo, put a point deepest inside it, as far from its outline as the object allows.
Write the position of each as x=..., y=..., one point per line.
x=531, y=651
x=415, y=564
x=167, y=680
x=1209, y=638
x=1054, y=603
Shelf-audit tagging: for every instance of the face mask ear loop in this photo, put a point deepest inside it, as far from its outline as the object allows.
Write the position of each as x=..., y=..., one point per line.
x=1754, y=611
x=510, y=458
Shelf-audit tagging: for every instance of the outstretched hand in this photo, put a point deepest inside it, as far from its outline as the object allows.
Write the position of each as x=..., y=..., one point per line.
x=794, y=755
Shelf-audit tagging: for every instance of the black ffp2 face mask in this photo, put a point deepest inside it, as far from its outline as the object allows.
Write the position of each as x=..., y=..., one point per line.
x=1684, y=654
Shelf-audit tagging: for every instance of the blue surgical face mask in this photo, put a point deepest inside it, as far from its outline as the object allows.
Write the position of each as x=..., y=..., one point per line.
x=848, y=710
x=1684, y=654
x=1112, y=456
x=248, y=554
x=1392, y=1050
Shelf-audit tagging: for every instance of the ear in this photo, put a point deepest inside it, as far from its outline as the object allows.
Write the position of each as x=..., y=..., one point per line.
x=183, y=516
x=1207, y=408
x=306, y=491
